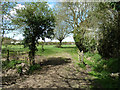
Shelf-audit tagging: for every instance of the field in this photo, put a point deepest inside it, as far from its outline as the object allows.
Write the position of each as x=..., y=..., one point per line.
x=59, y=67
x=49, y=50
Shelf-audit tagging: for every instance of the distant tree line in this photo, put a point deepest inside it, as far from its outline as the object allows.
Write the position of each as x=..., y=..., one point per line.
x=57, y=43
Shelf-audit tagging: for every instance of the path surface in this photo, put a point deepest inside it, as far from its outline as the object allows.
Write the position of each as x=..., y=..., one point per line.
x=57, y=71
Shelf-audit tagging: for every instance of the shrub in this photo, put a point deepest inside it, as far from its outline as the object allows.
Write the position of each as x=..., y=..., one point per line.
x=10, y=64
x=34, y=67
x=19, y=70
x=81, y=65
x=84, y=41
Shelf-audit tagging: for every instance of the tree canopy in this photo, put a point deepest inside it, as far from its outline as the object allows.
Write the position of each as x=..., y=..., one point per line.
x=6, y=22
x=38, y=22
x=62, y=28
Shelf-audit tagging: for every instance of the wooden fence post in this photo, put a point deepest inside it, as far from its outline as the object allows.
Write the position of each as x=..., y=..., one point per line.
x=8, y=55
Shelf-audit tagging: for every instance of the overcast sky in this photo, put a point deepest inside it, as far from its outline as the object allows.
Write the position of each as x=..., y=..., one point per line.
x=19, y=36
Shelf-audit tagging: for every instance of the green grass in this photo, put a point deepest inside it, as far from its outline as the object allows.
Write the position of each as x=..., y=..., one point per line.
x=13, y=50
x=49, y=49
x=52, y=49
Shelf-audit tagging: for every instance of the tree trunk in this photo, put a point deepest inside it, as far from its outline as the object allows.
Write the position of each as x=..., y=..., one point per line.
x=32, y=52
x=0, y=50
x=60, y=44
x=2, y=30
x=1, y=39
x=31, y=58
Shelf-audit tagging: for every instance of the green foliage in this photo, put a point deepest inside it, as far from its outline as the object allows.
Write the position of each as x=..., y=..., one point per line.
x=10, y=64
x=34, y=67
x=108, y=82
x=81, y=65
x=49, y=50
x=38, y=21
x=101, y=70
x=115, y=5
x=19, y=69
x=6, y=7
x=103, y=80
x=109, y=44
x=62, y=28
x=84, y=41
x=6, y=23
x=14, y=50
x=100, y=64
x=109, y=31
x=90, y=44
x=52, y=49
x=113, y=65
x=79, y=38
x=75, y=15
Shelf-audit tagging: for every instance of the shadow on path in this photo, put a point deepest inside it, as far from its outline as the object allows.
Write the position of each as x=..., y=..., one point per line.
x=8, y=80
x=55, y=61
x=56, y=72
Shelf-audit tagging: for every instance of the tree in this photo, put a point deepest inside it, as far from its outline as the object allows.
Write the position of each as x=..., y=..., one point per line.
x=61, y=31
x=62, y=28
x=38, y=21
x=6, y=24
x=107, y=19
x=76, y=14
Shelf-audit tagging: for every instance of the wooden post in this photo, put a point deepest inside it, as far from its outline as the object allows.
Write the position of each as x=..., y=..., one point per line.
x=82, y=56
x=8, y=55
x=79, y=58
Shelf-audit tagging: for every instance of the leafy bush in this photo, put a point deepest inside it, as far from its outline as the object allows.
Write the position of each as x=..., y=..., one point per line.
x=90, y=44
x=100, y=64
x=109, y=43
x=10, y=64
x=34, y=67
x=78, y=38
x=101, y=70
x=84, y=41
x=113, y=65
x=19, y=70
x=81, y=65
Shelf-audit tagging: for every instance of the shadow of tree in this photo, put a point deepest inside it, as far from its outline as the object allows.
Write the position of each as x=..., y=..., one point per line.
x=9, y=80
x=106, y=82
x=55, y=61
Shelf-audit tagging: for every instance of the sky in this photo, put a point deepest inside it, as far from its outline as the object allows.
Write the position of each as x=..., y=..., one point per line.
x=19, y=36
x=61, y=0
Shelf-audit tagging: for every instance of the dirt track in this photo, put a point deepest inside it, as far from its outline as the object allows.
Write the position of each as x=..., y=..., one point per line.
x=57, y=71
